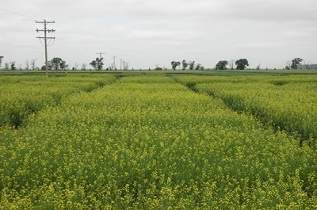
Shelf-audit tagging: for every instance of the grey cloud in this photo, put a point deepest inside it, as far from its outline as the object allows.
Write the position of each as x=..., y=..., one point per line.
x=273, y=10
x=150, y=32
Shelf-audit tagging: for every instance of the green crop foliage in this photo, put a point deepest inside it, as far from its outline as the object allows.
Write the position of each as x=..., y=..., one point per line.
x=287, y=102
x=148, y=142
x=20, y=97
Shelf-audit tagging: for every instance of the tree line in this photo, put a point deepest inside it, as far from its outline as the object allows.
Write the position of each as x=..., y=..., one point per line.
x=190, y=65
x=243, y=63
x=240, y=64
x=58, y=64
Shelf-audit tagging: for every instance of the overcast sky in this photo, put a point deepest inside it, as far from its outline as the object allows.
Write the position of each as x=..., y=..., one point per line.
x=154, y=32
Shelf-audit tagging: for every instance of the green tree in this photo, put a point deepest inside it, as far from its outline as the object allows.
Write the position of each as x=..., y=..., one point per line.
x=199, y=67
x=97, y=64
x=12, y=66
x=222, y=65
x=58, y=64
x=192, y=65
x=242, y=64
x=6, y=66
x=296, y=62
x=1, y=57
x=175, y=64
x=184, y=64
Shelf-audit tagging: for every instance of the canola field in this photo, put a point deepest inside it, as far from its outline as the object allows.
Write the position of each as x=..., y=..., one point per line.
x=158, y=141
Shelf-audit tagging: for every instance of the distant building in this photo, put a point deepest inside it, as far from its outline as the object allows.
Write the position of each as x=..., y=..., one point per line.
x=307, y=66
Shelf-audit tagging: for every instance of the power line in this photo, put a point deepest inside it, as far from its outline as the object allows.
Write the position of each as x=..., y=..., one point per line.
x=45, y=37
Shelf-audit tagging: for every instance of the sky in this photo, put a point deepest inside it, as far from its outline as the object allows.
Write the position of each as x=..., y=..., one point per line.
x=147, y=33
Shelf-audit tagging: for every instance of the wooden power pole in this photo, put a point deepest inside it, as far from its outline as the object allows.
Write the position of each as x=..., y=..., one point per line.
x=45, y=37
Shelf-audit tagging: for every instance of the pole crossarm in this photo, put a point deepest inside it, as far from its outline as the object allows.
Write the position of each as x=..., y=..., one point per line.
x=100, y=54
x=44, y=21
x=43, y=37
x=47, y=30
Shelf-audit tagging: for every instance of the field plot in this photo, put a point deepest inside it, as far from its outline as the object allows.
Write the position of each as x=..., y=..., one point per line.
x=285, y=102
x=21, y=96
x=149, y=142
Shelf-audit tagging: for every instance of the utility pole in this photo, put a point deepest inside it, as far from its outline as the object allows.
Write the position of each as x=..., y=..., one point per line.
x=100, y=54
x=45, y=37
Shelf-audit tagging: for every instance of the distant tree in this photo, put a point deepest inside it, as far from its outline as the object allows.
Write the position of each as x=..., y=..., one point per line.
x=49, y=66
x=192, y=65
x=184, y=64
x=33, y=64
x=58, y=64
x=97, y=64
x=242, y=64
x=6, y=66
x=12, y=66
x=296, y=62
x=158, y=68
x=258, y=67
x=83, y=67
x=63, y=65
x=76, y=66
x=198, y=67
x=1, y=57
x=27, y=65
x=175, y=64
x=222, y=65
